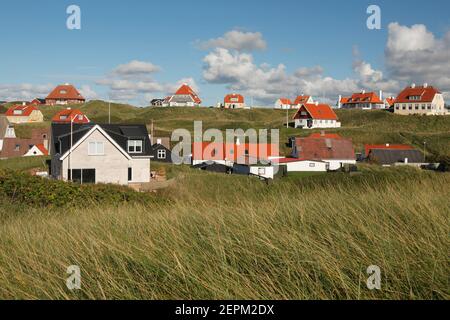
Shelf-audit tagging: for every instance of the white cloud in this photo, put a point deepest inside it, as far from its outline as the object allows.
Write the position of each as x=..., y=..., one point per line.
x=237, y=40
x=415, y=55
x=24, y=91
x=88, y=93
x=135, y=67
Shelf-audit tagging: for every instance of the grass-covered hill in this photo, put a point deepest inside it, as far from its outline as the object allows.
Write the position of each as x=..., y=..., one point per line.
x=360, y=125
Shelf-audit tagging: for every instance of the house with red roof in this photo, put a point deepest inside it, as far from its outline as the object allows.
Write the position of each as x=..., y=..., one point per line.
x=70, y=115
x=335, y=152
x=24, y=113
x=362, y=100
x=389, y=102
x=283, y=103
x=315, y=115
x=36, y=151
x=13, y=147
x=425, y=100
x=63, y=95
x=183, y=97
x=233, y=101
x=302, y=99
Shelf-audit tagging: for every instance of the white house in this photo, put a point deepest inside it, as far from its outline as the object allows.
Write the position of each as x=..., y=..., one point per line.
x=424, y=99
x=335, y=152
x=313, y=116
x=302, y=165
x=101, y=153
x=283, y=103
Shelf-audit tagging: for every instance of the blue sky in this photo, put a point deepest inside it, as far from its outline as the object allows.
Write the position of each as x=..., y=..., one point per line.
x=39, y=51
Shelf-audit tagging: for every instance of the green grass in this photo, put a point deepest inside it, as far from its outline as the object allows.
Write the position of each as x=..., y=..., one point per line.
x=24, y=163
x=234, y=237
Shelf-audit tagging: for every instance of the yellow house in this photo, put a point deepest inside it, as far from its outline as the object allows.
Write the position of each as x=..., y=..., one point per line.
x=24, y=114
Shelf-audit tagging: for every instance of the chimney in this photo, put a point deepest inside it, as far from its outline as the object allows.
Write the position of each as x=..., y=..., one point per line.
x=317, y=103
x=406, y=160
x=381, y=95
x=158, y=141
x=387, y=145
x=413, y=85
x=322, y=133
x=363, y=91
x=238, y=142
x=339, y=101
x=24, y=103
x=328, y=143
x=425, y=85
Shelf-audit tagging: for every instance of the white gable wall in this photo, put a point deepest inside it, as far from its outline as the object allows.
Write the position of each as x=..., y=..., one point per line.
x=112, y=167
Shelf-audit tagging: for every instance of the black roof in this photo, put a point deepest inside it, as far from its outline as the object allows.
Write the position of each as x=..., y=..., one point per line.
x=386, y=156
x=120, y=133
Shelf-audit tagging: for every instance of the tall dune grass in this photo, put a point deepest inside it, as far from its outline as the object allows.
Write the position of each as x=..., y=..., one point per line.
x=237, y=238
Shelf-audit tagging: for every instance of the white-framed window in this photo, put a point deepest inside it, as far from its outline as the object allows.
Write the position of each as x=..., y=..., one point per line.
x=261, y=171
x=64, y=117
x=17, y=112
x=161, y=154
x=312, y=164
x=80, y=117
x=134, y=146
x=96, y=148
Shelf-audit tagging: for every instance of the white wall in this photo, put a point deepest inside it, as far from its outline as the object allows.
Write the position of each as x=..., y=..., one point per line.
x=317, y=124
x=336, y=164
x=306, y=166
x=268, y=171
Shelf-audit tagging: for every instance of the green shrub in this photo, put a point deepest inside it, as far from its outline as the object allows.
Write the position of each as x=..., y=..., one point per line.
x=36, y=191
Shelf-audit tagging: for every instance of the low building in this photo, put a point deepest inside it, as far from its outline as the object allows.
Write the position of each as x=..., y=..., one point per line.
x=425, y=100
x=70, y=115
x=387, y=146
x=390, y=157
x=100, y=153
x=233, y=101
x=6, y=130
x=38, y=101
x=184, y=97
x=63, y=95
x=24, y=114
x=301, y=165
x=283, y=103
x=362, y=100
x=157, y=102
x=335, y=152
x=313, y=116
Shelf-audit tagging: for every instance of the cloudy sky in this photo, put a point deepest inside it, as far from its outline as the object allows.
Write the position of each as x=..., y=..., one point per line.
x=133, y=51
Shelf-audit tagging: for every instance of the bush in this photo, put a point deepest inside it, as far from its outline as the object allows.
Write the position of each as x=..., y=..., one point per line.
x=36, y=191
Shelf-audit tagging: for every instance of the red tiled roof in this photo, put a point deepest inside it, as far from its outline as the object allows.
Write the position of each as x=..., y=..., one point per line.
x=233, y=98
x=426, y=94
x=325, y=149
x=233, y=152
x=289, y=160
x=318, y=111
x=369, y=147
x=26, y=110
x=66, y=91
x=42, y=149
x=344, y=99
x=285, y=101
x=69, y=114
x=186, y=90
x=325, y=135
x=367, y=97
x=301, y=100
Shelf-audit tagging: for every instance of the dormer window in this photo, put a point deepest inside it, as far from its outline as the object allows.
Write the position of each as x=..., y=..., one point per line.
x=135, y=146
x=63, y=92
x=63, y=117
x=18, y=112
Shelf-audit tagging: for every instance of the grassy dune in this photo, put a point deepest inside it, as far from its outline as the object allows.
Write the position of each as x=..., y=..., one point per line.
x=305, y=238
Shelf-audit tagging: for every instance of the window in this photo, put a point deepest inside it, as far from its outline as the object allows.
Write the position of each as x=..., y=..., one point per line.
x=63, y=118
x=134, y=146
x=62, y=91
x=81, y=175
x=80, y=117
x=261, y=171
x=312, y=165
x=17, y=112
x=161, y=154
x=96, y=149
x=130, y=174
x=17, y=147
